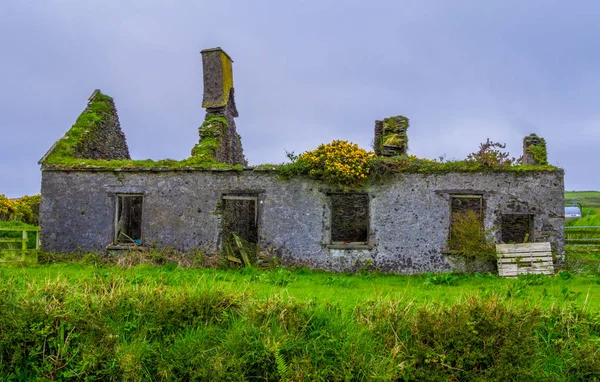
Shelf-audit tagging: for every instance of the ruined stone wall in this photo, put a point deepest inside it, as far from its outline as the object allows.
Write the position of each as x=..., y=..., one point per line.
x=106, y=140
x=534, y=150
x=390, y=136
x=229, y=149
x=409, y=216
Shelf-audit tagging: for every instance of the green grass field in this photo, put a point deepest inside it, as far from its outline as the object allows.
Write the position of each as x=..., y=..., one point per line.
x=345, y=290
x=76, y=321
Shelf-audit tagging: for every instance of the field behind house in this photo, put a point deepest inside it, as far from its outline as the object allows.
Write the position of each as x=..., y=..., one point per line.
x=88, y=320
x=590, y=200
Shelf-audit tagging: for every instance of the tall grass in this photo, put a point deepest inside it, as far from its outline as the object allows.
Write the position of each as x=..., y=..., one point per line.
x=78, y=322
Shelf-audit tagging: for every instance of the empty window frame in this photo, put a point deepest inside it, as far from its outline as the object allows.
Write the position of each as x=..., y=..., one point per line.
x=516, y=228
x=349, y=218
x=240, y=217
x=128, y=219
x=466, y=218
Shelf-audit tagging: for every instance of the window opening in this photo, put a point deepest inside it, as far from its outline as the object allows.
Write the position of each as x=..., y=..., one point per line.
x=466, y=220
x=516, y=228
x=128, y=219
x=349, y=218
x=240, y=217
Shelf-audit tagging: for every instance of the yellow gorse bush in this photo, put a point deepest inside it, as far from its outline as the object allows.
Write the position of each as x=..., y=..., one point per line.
x=339, y=162
x=24, y=209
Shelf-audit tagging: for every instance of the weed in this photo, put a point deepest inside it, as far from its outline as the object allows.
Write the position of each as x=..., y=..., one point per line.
x=441, y=279
x=469, y=238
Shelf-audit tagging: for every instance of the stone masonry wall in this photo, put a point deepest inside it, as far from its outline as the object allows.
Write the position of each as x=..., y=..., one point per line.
x=106, y=140
x=230, y=143
x=219, y=100
x=409, y=217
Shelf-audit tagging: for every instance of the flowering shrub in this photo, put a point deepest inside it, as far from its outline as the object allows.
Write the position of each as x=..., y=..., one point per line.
x=339, y=162
x=490, y=155
x=24, y=209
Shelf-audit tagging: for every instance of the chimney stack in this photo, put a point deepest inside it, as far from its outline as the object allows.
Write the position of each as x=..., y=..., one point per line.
x=390, y=136
x=218, y=78
x=219, y=102
x=534, y=150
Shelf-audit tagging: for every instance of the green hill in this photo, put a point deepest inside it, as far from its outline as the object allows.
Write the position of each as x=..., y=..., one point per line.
x=588, y=199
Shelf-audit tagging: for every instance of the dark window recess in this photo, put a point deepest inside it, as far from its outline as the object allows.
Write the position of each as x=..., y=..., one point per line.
x=240, y=216
x=466, y=219
x=349, y=218
x=516, y=228
x=128, y=228
x=462, y=204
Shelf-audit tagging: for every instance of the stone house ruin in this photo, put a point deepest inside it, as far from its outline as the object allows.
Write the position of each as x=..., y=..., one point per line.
x=95, y=198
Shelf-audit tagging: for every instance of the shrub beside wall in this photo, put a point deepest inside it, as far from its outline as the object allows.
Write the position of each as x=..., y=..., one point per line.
x=25, y=209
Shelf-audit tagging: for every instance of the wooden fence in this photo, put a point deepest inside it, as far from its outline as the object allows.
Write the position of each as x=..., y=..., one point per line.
x=17, y=249
x=583, y=236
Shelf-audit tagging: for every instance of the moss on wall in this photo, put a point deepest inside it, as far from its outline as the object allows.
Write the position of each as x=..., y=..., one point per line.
x=394, y=140
x=218, y=78
x=212, y=134
x=96, y=134
x=538, y=152
x=383, y=168
x=534, y=150
x=68, y=151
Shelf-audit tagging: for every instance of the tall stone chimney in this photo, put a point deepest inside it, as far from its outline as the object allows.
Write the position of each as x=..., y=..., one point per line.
x=219, y=102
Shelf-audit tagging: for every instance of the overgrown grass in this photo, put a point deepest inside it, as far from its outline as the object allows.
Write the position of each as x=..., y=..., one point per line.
x=77, y=321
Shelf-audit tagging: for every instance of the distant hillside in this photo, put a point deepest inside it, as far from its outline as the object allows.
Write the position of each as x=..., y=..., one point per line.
x=588, y=199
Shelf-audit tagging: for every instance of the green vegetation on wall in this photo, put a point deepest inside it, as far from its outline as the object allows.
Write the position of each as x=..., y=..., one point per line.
x=394, y=134
x=381, y=168
x=65, y=152
x=538, y=151
x=339, y=163
x=67, y=149
x=211, y=133
x=355, y=167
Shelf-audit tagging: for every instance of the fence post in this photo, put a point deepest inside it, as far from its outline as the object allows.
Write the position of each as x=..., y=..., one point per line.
x=24, y=245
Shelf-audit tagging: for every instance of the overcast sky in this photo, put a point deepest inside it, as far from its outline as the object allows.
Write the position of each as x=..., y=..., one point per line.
x=305, y=73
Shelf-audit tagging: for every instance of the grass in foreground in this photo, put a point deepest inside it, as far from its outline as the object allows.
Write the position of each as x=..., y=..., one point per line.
x=77, y=321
